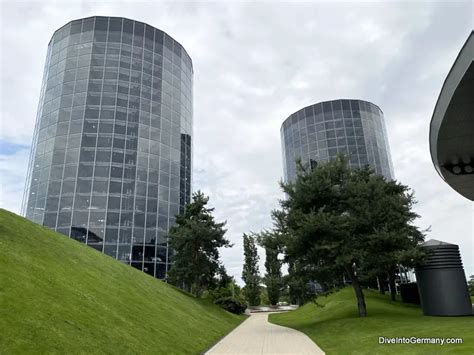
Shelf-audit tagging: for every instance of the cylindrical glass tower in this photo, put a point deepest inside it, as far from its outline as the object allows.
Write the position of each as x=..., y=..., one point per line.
x=320, y=132
x=110, y=162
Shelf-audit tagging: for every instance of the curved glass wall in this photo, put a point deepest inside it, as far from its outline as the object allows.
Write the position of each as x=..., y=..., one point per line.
x=110, y=163
x=320, y=132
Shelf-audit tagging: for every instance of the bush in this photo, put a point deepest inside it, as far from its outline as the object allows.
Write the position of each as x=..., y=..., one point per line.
x=232, y=304
x=218, y=293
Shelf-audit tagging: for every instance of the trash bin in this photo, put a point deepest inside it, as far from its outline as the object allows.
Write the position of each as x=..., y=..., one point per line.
x=441, y=281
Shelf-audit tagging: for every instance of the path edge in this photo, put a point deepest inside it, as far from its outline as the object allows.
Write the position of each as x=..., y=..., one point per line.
x=283, y=326
x=205, y=351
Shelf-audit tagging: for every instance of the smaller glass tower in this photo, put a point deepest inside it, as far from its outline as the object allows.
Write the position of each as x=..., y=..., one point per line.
x=320, y=132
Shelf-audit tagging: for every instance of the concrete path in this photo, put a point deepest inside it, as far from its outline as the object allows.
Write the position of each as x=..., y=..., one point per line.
x=257, y=336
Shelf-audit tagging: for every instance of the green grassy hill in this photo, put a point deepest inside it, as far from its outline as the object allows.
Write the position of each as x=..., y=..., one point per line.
x=60, y=296
x=337, y=329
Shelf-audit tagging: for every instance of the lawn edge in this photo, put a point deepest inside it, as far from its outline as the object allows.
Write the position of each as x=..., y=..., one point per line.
x=242, y=317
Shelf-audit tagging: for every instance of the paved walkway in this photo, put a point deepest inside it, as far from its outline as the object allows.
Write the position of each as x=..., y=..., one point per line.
x=257, y=336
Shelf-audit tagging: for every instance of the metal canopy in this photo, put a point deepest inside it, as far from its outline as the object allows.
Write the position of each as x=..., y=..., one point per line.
x=452, y=124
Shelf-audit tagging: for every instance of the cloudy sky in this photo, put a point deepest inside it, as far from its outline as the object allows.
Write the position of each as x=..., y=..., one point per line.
x=256, y=63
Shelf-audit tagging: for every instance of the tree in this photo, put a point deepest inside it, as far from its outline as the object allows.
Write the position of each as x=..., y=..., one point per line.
x=273, y=280
x=383, y=210
x=332, y=225
x=250, y=272
x=321, y=229
x=297, y=284
x=195, y=239
x=470, y=284
x=227, y=293
x=223, y=278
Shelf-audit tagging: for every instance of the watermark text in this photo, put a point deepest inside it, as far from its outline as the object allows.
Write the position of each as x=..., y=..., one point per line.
x=417, y=340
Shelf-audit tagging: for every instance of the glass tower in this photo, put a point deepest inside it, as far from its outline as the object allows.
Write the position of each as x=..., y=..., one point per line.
x=110, y=162
x=320, y=132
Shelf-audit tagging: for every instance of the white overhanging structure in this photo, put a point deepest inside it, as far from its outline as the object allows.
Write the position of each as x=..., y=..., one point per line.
x=452, y=124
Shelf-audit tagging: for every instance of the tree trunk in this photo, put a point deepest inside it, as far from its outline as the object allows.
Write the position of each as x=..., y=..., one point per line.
x=358, y=291
x=393, y=289
x=380, y=285
x=196, y=290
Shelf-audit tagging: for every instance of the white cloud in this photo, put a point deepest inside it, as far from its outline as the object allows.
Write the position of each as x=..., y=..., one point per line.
x=255, y=64
x=12, y=179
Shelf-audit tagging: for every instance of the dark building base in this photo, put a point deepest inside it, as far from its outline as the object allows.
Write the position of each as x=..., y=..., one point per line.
x=443, y=292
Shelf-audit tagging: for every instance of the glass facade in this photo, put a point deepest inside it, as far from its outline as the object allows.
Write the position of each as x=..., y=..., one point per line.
x=320, y=132
x=111, y=158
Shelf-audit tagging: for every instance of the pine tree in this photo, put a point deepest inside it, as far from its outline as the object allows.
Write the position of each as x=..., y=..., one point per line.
x=195, y=239
x=343, y=220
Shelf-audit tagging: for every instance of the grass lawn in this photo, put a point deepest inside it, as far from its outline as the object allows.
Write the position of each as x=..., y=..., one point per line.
x=337, y=329
x=60, y=296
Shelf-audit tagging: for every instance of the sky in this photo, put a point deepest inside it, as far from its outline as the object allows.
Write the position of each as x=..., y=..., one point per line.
x=255, y=63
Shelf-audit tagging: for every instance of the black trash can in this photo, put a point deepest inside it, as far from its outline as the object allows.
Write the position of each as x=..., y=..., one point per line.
x=441, y=281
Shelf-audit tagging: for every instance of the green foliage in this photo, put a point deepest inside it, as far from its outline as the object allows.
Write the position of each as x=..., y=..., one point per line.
x=235, y=305
x=63, y=297
x=229, y=290
x=383, y=212
x=224, y=279
x=264, y=296
x=195, y=239
x=228, y=296
x=250, y=272
x=470, y=283
x=342, y=220
x=273, y=280
x=296, y=285
x=297, y=280
x=285, y=293
x=337, y=329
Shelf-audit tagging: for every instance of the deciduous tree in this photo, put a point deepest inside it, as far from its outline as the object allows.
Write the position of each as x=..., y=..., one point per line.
x=250, y=272
x=273, y=280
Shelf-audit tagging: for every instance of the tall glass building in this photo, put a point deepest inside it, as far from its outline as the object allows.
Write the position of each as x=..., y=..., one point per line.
x=320, y=132
x=110, y=163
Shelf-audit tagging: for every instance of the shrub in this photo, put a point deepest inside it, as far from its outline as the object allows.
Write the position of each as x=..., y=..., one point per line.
x=218, y=293
x=232, y=304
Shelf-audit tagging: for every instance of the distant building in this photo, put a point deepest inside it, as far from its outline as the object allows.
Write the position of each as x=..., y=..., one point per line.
x=320, y=132
x=452, y=125
x=110, y=163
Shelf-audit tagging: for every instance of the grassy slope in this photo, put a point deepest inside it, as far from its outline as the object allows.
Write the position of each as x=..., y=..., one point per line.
x=337, y=329
x=58, y=295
